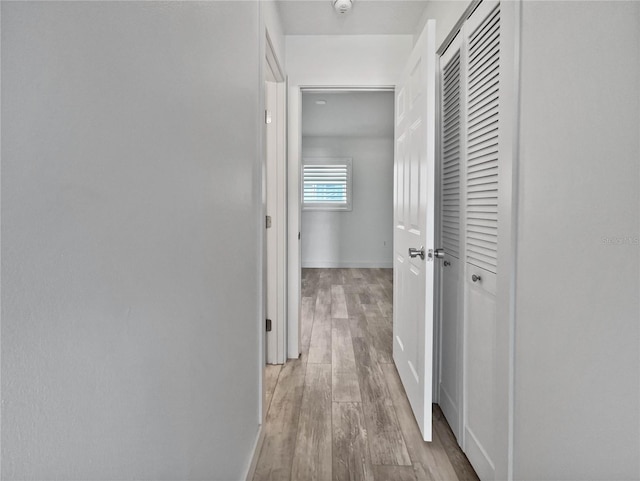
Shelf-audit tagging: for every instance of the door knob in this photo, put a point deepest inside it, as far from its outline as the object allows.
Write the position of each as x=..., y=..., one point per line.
x=476, y=278
x=438, y=253
x=447, y=263
x=416, y=252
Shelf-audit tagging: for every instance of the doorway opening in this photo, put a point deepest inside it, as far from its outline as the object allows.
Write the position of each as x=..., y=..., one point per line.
x=346, y=206
x=413, y=225
x=347, y=179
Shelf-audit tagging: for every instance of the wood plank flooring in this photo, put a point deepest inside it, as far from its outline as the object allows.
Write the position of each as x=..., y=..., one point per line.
x=340, y=412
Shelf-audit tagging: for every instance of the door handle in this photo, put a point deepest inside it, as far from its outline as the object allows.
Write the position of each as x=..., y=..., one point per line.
x=476, y=278
x=416, y=252
x=447, y=263
x=438, y=253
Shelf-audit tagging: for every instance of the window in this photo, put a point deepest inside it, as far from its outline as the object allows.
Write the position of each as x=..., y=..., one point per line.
x=326, y=184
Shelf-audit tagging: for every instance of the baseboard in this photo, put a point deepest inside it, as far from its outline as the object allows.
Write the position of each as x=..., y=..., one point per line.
x=346, y=265
x=257, y=447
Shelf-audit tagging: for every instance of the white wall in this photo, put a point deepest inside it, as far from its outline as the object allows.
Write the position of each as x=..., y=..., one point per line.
x=362, y=237
x=446, y=13
x=337, y=60
x=577, y=398
x=272, y=23
x=130, y=240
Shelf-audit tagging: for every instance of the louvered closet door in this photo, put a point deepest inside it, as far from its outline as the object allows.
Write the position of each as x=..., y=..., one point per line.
x=451, y=144
x=482, y=139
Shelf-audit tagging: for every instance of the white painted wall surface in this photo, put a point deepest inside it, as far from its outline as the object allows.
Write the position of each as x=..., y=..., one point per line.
x=446, y=13
x=577, y=398
x=362, y=237
x=338, y=60
x=130, y=227
x=271, y=19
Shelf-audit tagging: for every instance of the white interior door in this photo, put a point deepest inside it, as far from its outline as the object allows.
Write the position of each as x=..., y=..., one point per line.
x=451, y=151
x=414, y=224
x=482, y=152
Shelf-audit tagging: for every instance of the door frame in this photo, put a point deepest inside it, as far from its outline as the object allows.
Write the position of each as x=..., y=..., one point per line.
x=276, y=193
x=294, y=165
x=271, y=67
x=294, y=209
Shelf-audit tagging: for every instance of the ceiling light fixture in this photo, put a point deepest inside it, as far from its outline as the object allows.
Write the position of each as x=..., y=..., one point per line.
x=342, y=6
x=321, y=102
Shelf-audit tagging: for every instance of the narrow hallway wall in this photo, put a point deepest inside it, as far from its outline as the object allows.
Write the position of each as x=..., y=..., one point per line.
x=577, y=356
x=130, y=216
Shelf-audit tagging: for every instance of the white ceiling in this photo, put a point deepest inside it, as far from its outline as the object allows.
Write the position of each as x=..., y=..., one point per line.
x=348, y=114
x=367, y=17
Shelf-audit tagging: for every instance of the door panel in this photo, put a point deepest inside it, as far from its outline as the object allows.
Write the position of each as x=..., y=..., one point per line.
x=479, y=429
x=482, y=146
x=451, y=172
x=414, y=171
x=451, y=345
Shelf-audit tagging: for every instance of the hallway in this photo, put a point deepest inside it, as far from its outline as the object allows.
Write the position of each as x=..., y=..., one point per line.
x=340, y=412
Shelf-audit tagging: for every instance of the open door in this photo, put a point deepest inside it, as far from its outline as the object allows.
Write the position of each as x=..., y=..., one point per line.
x=414, y=224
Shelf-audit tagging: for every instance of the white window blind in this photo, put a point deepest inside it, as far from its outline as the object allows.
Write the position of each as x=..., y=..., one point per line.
x=482, y=143
x=451, y=157
x=326, y=184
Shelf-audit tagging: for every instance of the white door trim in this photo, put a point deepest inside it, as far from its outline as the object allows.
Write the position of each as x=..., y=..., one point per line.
x=293, y=222
x=276, y=202
x=275, y=182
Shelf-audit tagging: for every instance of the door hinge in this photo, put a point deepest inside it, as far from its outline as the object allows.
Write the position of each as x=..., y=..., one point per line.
x=267, y=117
x=268, y=325
x=268, y=222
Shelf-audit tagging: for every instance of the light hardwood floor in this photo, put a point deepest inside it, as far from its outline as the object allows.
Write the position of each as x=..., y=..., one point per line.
x=340, y=411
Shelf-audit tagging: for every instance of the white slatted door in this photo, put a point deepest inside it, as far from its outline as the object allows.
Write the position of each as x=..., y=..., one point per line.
x=482, y=149
x=451, y=136
x=414, y=224
x=482, y=138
